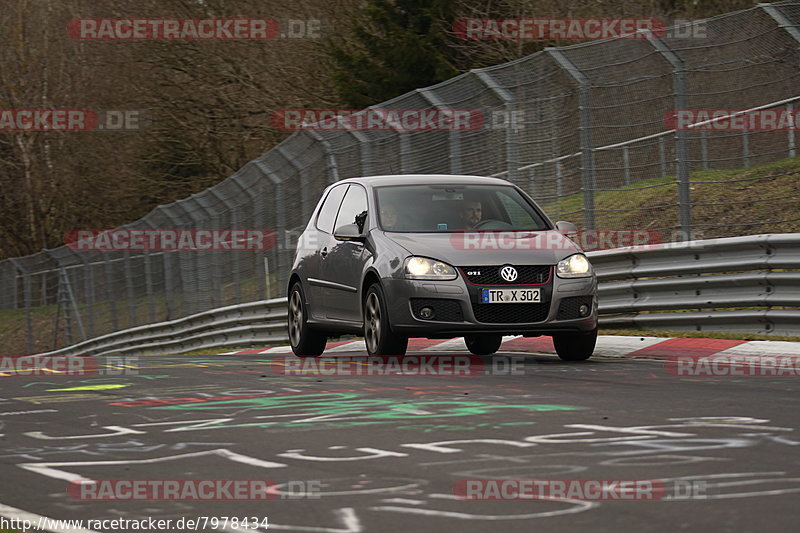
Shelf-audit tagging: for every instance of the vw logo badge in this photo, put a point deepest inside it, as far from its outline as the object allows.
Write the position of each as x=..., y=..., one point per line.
x=508, y=273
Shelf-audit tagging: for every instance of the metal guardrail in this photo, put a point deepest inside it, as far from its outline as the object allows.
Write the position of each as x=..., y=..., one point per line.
x=261, y=323
x=638, y=287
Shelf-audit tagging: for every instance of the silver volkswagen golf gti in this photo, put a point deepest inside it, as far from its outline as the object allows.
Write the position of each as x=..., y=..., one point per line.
x=438, y=256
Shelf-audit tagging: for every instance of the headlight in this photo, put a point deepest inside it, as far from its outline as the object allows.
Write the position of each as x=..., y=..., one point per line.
x=424, y=268
x=574, y=266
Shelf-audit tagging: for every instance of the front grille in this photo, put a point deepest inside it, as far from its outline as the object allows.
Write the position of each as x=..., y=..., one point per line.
x=510, y=313
x=490, y=275
x=568, y=309
x=443, y=310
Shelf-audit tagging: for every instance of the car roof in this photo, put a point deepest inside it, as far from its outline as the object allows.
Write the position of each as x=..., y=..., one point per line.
x=424, y=179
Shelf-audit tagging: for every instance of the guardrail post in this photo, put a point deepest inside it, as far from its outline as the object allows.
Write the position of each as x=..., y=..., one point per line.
x=587, y=149
x=681, y=135
x=509, y=102
x=454, y=140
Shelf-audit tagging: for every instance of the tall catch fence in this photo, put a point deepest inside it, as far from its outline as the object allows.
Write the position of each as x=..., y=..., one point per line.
x=571, y=125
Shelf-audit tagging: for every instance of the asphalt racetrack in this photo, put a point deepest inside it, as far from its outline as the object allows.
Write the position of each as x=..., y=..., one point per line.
x=613, y=444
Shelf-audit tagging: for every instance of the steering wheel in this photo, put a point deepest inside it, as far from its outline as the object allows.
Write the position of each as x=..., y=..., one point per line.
x=491, y=223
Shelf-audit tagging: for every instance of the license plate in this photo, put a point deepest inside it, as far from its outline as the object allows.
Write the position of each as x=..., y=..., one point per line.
x=510, y=296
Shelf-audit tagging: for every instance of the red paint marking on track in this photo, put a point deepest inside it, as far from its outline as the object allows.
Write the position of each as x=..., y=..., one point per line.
x=530, y=344
x=679, y=346
x=421, y=344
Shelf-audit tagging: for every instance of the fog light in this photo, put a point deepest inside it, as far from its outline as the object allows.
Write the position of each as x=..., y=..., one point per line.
x=426, y=313
x=583, y=310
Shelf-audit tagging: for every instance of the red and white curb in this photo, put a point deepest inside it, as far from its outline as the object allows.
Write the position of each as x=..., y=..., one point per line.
x=607, y=345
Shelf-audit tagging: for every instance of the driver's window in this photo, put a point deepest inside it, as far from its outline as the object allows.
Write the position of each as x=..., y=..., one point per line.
x=354, y=208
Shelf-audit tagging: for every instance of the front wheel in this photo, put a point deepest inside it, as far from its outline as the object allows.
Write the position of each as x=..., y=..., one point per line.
x=483, y=344
x=305, y=341
x=378, y=334
x=575, y=346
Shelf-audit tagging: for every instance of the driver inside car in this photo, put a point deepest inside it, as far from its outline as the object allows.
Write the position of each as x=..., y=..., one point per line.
x=471, y=213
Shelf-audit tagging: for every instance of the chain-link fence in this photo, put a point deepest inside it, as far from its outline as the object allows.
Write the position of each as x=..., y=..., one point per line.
x=571, y=125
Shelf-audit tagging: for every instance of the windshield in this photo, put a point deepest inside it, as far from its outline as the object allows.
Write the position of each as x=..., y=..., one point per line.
x=447, y=208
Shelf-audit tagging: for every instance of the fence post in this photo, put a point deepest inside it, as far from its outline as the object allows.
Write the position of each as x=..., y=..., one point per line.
x=681, y=135
x=168, y=270
x=587, y=149
x=626, y=164
x=330, y=157
x=745, y=149
x=26, y=288
x=793, y=30
x=509, y=101
x=790, y=131
x=88, y=288
x=454, y=139
x=366, y=152
x=280, y=222
x=704, y=148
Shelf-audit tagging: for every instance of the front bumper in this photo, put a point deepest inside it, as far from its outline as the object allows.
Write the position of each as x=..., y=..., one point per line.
x=463, y=313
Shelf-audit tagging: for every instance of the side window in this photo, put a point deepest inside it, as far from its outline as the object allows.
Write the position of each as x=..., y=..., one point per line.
x=329, y=208
x=354, y=208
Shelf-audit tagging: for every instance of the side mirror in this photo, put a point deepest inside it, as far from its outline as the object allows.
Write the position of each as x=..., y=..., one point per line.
x=567, y=228
x=349, y=232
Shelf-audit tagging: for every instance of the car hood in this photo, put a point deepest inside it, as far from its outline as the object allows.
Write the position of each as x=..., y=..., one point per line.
x=479, y=248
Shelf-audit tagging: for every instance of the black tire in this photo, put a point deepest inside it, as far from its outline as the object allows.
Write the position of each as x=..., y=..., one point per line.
x=575, y=346
x=378, y=334
x=304, y=340
x=483, y=344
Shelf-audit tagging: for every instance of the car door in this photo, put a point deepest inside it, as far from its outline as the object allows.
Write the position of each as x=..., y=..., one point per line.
x=320, y=240
x=344, y=264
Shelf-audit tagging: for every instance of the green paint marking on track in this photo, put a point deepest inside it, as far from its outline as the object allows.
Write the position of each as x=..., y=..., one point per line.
x=347, y=409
